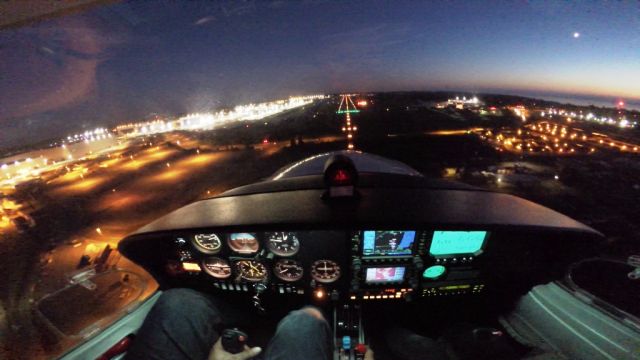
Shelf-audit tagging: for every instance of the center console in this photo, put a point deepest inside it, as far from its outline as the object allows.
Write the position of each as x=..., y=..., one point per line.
x=405, y=264
x=348, y=332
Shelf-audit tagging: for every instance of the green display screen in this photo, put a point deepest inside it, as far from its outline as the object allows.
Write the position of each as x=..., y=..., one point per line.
x=433, y=272
x=456, y=242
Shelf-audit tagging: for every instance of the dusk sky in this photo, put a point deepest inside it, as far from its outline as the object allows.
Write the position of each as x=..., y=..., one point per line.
x=124, y=61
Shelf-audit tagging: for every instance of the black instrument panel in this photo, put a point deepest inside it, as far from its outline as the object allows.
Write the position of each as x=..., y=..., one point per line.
x=366, y=264
x=352, y=264
x=285, y=261
x=508, y=244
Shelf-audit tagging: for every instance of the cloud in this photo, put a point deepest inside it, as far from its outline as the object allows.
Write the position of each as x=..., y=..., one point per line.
x=204, y=20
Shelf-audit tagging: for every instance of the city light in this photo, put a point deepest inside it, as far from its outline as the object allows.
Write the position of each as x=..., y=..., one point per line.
x=549, y=138
x=569, y=117
x=212, y=120
x=251, y=112
x=460, y=104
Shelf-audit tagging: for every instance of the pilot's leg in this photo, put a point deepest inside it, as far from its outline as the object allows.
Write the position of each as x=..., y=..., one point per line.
x=183, y=324
x=303, y=334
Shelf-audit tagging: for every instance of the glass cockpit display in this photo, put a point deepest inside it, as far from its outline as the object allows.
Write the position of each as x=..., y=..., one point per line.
x=387, y=243
x=384, y=274
x=448, y=243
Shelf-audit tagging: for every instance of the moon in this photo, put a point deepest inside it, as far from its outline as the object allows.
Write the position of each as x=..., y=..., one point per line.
x=576, y=35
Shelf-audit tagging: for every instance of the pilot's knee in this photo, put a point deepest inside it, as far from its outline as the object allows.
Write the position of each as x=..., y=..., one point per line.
x=185, y=302
x=313, y=311
x=183, y=317
x=175, y=298
x=308, y=320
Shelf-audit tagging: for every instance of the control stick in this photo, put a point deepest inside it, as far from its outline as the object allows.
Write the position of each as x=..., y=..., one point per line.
x=233, y=340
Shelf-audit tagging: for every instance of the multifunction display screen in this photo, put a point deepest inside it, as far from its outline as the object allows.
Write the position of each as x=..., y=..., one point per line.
x=445, y=243
x=388, y=243
x=384, y=274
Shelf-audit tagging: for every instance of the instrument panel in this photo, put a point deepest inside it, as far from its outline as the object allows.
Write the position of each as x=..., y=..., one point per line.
x=293, y=262
x=355, y=265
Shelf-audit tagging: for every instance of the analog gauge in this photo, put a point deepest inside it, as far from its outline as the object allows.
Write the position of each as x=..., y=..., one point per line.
x=283, y=243
x=251, y=270
x=288, y=270
x=216, y=267
x=243, y=243
x=325, y=271
x=207, y=243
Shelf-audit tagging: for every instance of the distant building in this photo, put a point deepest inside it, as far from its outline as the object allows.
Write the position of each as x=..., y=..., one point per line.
x=458, y=103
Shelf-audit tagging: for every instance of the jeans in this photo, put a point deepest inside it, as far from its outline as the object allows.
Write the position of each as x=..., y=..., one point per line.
x=184, y=324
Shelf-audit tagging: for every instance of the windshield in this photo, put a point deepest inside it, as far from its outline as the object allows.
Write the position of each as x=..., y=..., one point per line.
x=113, y=114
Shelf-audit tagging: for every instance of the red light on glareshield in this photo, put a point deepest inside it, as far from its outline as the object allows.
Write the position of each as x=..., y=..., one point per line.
x=341, y=176
x=339, y=171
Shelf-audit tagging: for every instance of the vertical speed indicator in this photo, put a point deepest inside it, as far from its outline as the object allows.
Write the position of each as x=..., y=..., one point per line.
x=288, y=270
